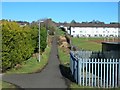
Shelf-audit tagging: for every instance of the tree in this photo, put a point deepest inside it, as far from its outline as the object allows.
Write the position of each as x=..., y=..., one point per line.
x=73, y=22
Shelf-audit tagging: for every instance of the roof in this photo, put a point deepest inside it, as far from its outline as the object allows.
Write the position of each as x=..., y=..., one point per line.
x=95, y=25
x=112, y=43
x=88, y=25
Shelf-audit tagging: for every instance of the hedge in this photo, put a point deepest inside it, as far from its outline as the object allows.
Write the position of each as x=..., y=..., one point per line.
x=19, y=43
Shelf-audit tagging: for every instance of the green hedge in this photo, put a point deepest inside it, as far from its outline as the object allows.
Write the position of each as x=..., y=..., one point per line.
x=43, y=38
x=18, y=43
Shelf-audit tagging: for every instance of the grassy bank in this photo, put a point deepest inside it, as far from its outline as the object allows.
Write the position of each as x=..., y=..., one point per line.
x=73, y=86
x=63, y=56
x=65, y=60
x=59, y=32
x=32, y=65
x=87, y=44
x=7, y=85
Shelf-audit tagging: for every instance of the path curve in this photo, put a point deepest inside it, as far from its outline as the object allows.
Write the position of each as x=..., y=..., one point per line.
x=49, y=77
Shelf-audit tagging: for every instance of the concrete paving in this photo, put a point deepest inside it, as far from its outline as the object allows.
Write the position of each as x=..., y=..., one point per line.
x=49, y=77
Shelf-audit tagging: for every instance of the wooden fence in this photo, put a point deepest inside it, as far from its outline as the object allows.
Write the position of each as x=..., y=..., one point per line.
x=94, y=72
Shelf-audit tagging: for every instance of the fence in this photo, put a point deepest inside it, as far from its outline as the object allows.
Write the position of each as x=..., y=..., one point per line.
x=94, y=72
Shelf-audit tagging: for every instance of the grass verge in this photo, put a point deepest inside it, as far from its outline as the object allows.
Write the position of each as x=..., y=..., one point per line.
x=65, y=61
x=59, y=32
x=65, y=69
x=7, y=85
x=63, y=56
x=74, y=86
x=32, y=65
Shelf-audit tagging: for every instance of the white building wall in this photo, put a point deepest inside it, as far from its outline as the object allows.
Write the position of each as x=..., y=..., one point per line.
x=68, y=31
x=66, y=28
x=94, y=32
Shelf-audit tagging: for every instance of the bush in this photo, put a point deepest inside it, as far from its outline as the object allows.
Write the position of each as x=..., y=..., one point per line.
x=43, y=38
x=19, y=43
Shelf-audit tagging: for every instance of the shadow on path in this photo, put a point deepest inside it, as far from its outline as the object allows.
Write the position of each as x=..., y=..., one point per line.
x=65, y=71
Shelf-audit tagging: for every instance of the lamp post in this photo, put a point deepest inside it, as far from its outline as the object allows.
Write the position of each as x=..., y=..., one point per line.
x=39, y=40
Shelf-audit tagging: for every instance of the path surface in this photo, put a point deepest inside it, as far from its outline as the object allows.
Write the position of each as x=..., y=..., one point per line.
x=49, y=77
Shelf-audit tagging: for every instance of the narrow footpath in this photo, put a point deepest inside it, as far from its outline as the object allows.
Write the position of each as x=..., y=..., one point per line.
x=49, y=77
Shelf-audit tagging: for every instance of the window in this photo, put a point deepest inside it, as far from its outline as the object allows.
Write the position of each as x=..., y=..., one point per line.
x=111, y=35
x=95, y=35
x=80, y=31
x=100, y=35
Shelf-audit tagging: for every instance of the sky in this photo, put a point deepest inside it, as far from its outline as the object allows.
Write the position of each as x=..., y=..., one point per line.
x=60, y=0
x=61, y=11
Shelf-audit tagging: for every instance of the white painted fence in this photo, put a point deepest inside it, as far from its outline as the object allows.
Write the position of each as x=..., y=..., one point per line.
x=93, y=72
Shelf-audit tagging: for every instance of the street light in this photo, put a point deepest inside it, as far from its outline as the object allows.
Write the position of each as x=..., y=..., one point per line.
x=39, y=40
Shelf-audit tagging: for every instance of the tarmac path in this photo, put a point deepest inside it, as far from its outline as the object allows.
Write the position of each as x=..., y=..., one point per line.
x=49, y=77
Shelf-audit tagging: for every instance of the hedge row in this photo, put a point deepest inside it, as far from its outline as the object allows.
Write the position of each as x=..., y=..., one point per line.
x=43, y=38
x=18, y=43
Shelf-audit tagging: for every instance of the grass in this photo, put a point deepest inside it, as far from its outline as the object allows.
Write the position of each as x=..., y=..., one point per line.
x=86, y=44
x=32, y=65
x=59, y=32
x=63, y=56
x=65, y=60
x=74, y=86
x=7, y=85
x=0, y=84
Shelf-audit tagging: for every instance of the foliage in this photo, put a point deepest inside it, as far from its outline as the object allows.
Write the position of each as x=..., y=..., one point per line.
x=73, y=22
x=32, y=65
x=19, y=43
x=43, y=35
x=43, y=38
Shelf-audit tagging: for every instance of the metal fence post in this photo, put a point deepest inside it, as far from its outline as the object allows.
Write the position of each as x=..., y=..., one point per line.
x=119, y=74
x=79, y=71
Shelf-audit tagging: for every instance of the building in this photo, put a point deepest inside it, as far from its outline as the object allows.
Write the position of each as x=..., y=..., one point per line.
x=22, y=23
x=93, y=30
